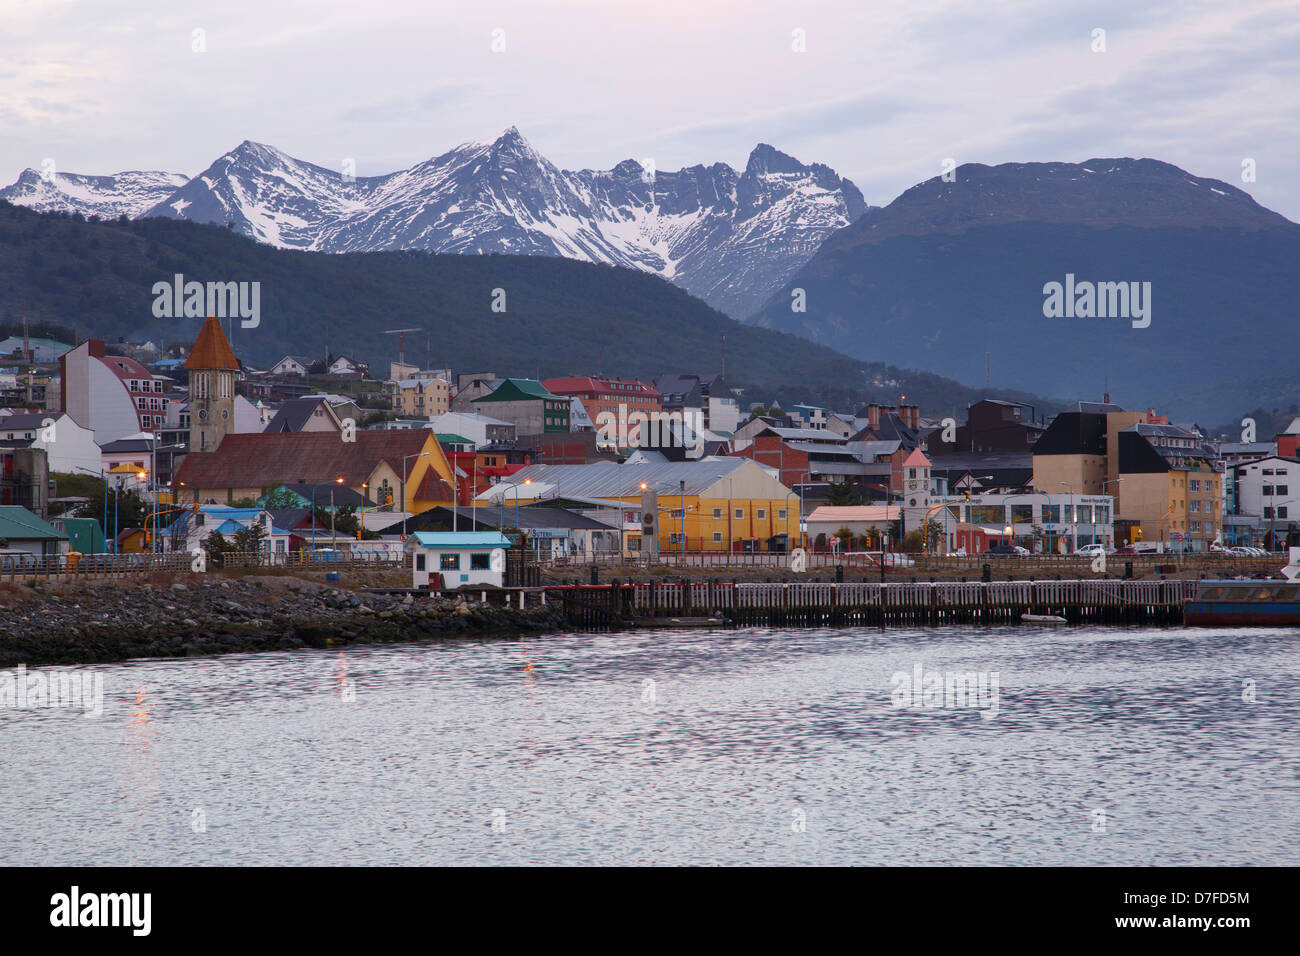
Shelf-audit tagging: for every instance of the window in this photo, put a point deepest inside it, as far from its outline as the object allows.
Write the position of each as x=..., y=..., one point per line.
x=1280, y=490
x=717, y=512
x=142, y=403
x=449, y=562
x=1195, y=505
x=717, y=537
x=675, y=514
x=739, y=513
x=480, y=562
x=760, y=513
x=1281, y=512
x=1051, y=514
x=1194, y=485
x=1268, y=491
x=1268, y=511
x=780, y=515
x=419, y=562
x=674, y=538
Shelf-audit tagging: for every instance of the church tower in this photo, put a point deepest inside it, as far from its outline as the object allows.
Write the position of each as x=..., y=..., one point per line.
x=212, y=366
x=916, y=490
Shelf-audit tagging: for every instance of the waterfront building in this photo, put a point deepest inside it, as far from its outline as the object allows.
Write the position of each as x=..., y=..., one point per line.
x=450, y=559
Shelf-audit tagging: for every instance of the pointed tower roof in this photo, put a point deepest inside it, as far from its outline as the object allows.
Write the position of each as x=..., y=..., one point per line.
x=212, y=348
x=916, y=460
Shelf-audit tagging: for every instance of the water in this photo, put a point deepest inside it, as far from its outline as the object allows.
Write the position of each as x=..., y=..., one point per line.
x=748, y=747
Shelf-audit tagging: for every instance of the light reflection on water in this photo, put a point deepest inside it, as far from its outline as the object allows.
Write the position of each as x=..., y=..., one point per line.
x=693, y=747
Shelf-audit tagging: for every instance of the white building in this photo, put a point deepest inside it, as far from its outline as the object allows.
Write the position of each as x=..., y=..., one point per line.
x=1270, y=488
x=291, y=365
x=1040, y=522
x=190, y=529
x=68, y=446
x=480, y=429
x=450, y=559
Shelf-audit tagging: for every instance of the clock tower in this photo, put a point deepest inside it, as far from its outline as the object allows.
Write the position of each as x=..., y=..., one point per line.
x=211, y=366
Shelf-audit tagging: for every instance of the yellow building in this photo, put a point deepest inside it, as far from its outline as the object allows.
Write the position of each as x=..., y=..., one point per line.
x=705, y=505
x=1170, y=487
x=422, y=397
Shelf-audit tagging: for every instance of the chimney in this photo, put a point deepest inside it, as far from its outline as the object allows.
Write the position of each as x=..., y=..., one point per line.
x=873, y=416
x=95, y=347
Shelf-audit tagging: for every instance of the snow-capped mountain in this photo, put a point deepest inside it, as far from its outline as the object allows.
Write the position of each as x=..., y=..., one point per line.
x=728, y=237
x=128, y=194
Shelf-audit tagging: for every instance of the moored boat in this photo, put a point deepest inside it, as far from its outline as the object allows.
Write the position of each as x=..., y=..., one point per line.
x=1243, y=603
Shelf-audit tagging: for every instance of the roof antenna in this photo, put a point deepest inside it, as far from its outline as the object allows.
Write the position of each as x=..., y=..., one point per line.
x=986, y=374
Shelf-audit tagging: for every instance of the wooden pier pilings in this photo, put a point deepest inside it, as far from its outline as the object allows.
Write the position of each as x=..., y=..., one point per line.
x=613, y=606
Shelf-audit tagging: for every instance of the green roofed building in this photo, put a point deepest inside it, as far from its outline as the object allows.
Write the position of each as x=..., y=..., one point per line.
x=20, y=530
x=528, y=404
x=84, y=534
x=453, y=442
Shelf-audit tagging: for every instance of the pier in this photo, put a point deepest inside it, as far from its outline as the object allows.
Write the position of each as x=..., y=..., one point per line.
x=797, y=604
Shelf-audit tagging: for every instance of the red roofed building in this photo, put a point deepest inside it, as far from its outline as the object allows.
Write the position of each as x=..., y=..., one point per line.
x=377, y=465
x=112, y=394
x=607, y=394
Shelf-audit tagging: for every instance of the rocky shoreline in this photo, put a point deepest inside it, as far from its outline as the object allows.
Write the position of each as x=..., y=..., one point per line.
x=50, y=624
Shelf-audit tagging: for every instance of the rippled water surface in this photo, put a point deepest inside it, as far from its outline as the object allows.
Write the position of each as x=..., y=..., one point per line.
x=694, y=747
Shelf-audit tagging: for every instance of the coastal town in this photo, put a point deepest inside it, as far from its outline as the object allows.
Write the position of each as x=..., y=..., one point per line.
x=119, y=449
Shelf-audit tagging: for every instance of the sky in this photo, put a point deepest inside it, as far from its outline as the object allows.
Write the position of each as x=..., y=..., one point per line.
x=883, y=93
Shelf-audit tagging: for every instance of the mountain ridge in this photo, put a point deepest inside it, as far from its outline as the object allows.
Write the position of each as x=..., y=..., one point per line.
x=729, y=237
x=950, y=272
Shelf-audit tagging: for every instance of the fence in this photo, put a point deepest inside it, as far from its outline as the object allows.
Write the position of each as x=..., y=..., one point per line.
x=20, y=567
x=952, y=564
x=72, y=566
x=316, y=560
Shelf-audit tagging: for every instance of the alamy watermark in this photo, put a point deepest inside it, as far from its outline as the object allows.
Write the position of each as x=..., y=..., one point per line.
x=922, y=689
x=197, y=300
x=1098, y=300
x=21, y=690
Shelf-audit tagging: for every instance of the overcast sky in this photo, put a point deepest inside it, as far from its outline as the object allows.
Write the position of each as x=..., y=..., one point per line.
x=882, y=92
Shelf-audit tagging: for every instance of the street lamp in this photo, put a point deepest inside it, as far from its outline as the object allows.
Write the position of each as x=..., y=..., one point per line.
x=515, y=486
x=338, y=481
x=104, y=479
x=1111, y=481
x=1074, y=525
x=333, y=533
x=144, y=480
x=421, y=454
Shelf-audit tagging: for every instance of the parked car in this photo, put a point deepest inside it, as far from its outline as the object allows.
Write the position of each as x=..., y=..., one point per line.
x=892, y=559
x=1007, y=550
x=1090, y=550
x=1127, y=549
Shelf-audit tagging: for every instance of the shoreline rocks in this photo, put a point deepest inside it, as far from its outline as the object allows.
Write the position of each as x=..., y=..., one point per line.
x=102, y=622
